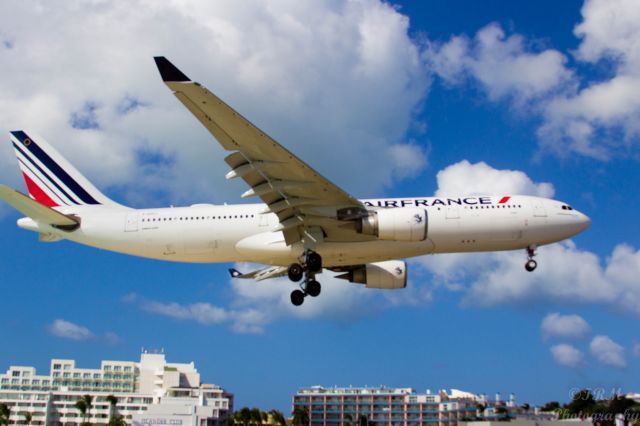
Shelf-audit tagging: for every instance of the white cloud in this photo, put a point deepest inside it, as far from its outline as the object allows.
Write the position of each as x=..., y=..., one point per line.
x=566, y=326
x=255, y=305
x=566, y=274
x=317, y=76
x=504, y=66
x=480, y=178
x=598, y=118
x=69, y=330
x=607, y=351
x=567, y=355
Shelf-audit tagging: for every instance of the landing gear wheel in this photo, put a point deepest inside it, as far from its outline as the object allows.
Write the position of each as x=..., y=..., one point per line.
x=313, y=261
x=530, y=265
x=297, y=297
x=295, y=272
x=313, y=288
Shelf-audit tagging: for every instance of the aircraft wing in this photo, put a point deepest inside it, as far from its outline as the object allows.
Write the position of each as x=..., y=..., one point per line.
x=36, y=210
x=297, y=194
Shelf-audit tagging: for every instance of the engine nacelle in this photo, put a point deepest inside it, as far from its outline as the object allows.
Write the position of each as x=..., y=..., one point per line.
x=395, y=224
x=391, y=274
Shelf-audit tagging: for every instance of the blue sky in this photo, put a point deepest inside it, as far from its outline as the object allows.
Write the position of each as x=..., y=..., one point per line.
x=414, y=99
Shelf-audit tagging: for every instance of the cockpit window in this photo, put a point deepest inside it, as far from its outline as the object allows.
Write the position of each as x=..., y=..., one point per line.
x=566, y=207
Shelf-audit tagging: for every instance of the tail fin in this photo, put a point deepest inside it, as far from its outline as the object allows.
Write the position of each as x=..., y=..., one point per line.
x=50, y=178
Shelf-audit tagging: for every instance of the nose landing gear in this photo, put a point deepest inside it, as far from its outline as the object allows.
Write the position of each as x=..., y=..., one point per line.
x=531, y=264
x=312, y=265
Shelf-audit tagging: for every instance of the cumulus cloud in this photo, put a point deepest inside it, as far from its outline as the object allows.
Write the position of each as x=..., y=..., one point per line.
x=69, y=330
x=255, y=305
x=566, y=273
x=565, y=326
x=303, y=72
x=504, y=65
x=480, y=178
x=567, y=355
x=598, y=118
x=607, y=351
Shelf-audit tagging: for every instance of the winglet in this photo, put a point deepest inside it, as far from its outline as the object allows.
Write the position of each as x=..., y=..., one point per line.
x=235, y=273
x=168, y=71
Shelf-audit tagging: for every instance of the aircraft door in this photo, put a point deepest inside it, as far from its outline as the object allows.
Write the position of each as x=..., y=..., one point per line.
x=131, y=222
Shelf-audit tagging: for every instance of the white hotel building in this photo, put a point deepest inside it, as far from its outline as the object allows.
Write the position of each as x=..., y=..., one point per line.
x=150, y=384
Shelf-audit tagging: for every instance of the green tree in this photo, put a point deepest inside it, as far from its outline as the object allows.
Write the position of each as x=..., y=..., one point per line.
x=300, y=416
x=117, y=421
x=27, y=418
x=582, y=403
x=525, y=407
x=81, y=405
x=113, y=402
x=256, y=416
x=550, y=406
x=348, y=419
x=231, y=419
x=363, y=420
x=244, y=416
x=278, y=417
x=5, y=414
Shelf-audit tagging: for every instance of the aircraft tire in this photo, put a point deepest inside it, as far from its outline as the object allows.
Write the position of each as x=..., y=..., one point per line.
x=313, y=288
x=297, y=297
x=314, y=262
x=531, y=265
x=295, y=272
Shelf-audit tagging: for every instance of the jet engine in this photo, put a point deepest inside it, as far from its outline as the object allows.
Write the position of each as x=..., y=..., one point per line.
x=395, y=224
x=390, y=274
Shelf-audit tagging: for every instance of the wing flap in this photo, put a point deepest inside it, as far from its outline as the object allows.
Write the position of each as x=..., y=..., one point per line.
x=261, y=274
x=273, y=173
x=36, y=210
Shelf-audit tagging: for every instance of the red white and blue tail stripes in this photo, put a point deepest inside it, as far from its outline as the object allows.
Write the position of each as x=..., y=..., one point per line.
x=50, y=179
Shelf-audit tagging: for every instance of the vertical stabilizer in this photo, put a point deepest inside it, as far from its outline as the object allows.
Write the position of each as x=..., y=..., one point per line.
x=50, y=178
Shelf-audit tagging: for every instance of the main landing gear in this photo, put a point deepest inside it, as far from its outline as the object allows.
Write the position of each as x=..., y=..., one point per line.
x=531, y=264
x=312, y=264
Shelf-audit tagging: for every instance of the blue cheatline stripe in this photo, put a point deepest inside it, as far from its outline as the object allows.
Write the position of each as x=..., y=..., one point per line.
x=55, y=168
x=28, y=157
x=36, y=177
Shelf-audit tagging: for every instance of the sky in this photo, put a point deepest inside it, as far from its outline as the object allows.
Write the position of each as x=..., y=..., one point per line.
x=383, y=98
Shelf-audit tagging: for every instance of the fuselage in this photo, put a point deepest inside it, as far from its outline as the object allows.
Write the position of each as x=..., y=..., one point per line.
x=208, y=233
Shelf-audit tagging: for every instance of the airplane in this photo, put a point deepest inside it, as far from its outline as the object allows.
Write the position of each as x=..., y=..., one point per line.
x=304, y=225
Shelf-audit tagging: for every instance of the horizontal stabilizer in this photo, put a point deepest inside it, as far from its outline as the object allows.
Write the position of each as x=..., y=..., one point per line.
x=262, y=274
x=36, y=210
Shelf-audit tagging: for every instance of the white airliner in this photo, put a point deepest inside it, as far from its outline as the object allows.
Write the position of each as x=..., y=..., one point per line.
x=304, y=225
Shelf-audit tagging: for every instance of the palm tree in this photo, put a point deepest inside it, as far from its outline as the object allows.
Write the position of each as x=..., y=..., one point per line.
x=117, y=421
x=300, y=416
x=348, y=419
x=278, y=417
x=88, y=400
x=113, y=401
x=231, y=419
x=244, y=416
x=27, y=418
x=5, y=414
x=81, y=405
x=256, y=416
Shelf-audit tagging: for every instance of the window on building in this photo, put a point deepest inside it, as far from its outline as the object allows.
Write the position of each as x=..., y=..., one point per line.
x=15, y=373
x=56, y=366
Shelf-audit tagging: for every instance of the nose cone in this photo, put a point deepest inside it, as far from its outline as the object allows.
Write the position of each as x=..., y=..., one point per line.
x=583, y=222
